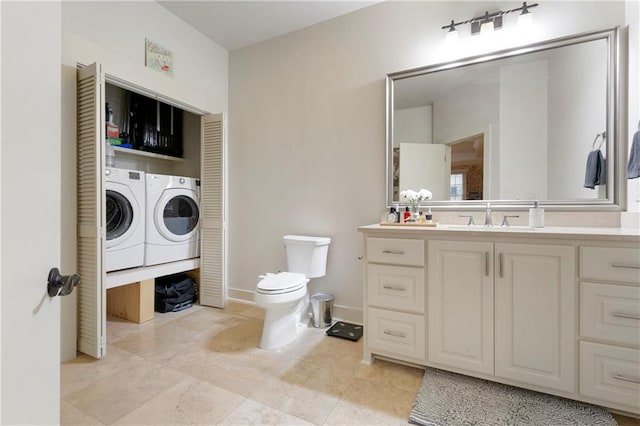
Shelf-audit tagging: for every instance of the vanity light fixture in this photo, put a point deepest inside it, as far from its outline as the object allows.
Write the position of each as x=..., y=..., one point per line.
x=452, y=34
x=525, y=19
x=489, y=22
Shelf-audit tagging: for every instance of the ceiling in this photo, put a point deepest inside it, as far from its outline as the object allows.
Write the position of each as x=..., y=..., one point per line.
x=234, y=24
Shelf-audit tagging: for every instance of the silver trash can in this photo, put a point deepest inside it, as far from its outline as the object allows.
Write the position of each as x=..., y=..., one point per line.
x=321, y=310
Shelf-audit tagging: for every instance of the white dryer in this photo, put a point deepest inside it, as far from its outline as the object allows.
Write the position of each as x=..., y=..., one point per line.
x=172, y=219
x=125, y=217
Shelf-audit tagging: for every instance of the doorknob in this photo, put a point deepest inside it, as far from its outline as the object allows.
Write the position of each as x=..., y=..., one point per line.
x=61, y=285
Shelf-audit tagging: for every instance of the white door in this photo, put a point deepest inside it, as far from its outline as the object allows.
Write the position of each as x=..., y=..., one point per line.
x=535, y=314
x=426, y=165
x=213, y=288
x=30, y=194
x=460, y=305
x=91, y=217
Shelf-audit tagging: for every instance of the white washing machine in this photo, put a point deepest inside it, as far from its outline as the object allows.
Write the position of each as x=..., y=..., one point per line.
x=172, y=219
x=125, y=214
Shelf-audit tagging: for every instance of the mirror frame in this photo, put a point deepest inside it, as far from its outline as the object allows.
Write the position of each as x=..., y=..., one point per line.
x=616, y=193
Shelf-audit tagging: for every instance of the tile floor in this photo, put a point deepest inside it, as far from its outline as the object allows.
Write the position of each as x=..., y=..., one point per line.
x=202, y=366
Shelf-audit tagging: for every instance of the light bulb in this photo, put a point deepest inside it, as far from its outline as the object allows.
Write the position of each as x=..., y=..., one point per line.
x=525, y=20
x=451, y=37
x=486, y=28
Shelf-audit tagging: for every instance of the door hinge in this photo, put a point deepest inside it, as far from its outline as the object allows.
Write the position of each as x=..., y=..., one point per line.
x=103, y=343
x=102, y=80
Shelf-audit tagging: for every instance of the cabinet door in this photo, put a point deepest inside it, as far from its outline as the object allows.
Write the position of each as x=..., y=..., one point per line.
x=460, y=304
x=213, y=289
x=91, y=215
x=535, y=314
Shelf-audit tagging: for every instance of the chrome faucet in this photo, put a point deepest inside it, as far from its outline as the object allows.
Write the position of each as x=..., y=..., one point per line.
x=487, y=216
x=505, y=220
x=470, y=216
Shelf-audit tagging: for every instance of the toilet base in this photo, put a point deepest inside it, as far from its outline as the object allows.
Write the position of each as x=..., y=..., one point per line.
x=283, y=324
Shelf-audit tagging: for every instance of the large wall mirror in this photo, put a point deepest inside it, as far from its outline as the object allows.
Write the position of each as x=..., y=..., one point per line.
x=511, y=127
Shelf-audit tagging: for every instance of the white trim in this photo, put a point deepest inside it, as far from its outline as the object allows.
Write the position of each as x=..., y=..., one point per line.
x=132, y=87
x=128, y=276
x=239, y=295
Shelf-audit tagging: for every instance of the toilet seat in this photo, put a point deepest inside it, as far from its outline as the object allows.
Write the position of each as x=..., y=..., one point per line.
x=281, y=283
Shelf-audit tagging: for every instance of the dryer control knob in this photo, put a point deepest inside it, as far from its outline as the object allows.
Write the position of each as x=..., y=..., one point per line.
x=182, y=180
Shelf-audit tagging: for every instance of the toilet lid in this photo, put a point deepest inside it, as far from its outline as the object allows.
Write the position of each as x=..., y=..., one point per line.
x=283, y=282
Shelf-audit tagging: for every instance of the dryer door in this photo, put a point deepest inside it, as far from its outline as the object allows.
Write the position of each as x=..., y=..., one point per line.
x=122, y=213
x=177, y=214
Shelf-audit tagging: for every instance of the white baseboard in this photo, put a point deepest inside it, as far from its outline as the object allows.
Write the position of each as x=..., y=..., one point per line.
x=343, y=313
x=242, y=296
x=348, y=314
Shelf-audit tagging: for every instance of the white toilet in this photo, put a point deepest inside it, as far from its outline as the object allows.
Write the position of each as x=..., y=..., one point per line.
x=284, y=295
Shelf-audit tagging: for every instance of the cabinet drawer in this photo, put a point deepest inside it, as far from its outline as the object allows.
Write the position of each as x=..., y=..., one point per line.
x=396, y=287
x=615, y=264
x=395, y=251
x=610, y=373
x=610, y=312
x=396, y=333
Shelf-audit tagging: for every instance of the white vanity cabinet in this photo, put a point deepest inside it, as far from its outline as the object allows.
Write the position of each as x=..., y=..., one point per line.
x=395, y=295
x=555, y=310
x=535, y=321
x=610, y=326
x=528, y=290
x=460, y=304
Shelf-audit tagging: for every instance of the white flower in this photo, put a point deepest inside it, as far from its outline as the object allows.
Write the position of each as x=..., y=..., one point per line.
x=416, y=197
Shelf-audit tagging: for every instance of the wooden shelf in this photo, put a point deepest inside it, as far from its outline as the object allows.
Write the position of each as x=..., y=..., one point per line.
x=137, y=152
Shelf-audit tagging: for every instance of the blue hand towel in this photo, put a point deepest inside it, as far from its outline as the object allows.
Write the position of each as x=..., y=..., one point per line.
x=596, y=170
x=633, y=167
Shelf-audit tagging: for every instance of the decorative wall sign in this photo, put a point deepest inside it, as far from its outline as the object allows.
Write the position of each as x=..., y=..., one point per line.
x=158, y=58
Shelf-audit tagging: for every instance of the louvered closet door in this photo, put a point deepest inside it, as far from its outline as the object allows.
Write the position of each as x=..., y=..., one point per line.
x=91, y=291
x=212, y=224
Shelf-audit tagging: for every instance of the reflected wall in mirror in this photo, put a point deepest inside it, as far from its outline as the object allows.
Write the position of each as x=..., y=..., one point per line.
x=510, y=127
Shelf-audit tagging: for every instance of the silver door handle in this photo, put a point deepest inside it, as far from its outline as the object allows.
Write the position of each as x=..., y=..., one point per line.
x=390, y=287
x=501, y=266
x=625, y=265
x=486, y=263
x=394, y=333
x=623, y=315
x=626, y=378
x=393, y=251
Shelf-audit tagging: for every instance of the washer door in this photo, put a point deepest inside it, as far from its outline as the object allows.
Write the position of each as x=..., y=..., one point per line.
x=122, y=214
x=177, y=214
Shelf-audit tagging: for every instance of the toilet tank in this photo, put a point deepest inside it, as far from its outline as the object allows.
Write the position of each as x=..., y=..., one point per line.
x=307, y=255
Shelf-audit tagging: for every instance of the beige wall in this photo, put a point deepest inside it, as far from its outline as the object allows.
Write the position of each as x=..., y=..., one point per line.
x=307, y=129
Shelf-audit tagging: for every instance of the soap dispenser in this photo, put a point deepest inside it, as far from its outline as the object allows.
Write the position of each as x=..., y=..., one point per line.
x=536, y=216
x=392, y=216
x=429, y=216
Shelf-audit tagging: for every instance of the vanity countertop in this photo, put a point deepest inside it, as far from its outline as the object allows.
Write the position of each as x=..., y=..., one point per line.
x=556, y=232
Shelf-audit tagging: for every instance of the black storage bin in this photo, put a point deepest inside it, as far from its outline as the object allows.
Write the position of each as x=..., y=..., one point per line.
x=175, y=293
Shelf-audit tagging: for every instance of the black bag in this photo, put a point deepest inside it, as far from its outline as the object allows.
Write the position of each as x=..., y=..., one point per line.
x=175, y=293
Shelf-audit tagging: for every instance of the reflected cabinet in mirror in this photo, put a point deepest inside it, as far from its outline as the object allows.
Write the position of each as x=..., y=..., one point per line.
x=539, y=122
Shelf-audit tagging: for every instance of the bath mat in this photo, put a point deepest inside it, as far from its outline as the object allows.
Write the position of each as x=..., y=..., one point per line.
x=345, y=330
x=452, y=399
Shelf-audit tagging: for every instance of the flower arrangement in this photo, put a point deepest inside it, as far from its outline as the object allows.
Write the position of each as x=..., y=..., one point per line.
x=415, y=198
